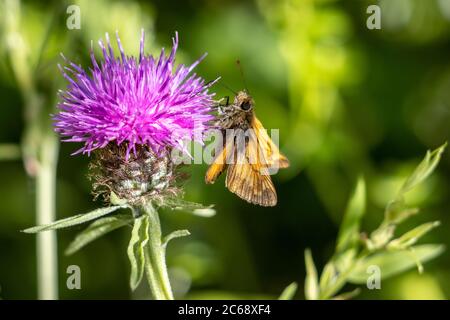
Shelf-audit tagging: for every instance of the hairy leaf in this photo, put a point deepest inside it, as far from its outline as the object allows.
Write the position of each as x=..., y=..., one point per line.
x=190, y=207
x=97, y=229
x=136, y=250
x=74, y=220
x=173, y=235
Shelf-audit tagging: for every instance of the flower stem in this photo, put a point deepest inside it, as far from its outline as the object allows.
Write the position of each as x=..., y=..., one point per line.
x=46, y=245
x=155, y=258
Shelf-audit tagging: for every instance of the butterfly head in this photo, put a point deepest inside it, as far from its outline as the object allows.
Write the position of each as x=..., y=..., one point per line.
x=244, y=101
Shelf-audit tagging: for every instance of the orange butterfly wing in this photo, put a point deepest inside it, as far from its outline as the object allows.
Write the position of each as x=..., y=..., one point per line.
x=219, y=163
x=270, y=151
x=250, y=179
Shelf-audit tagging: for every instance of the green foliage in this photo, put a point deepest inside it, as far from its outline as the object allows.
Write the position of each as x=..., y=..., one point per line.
x=355, y=253
x=349, y=233
x=74, y=220
x=146, y=249
x=289, y=292
x=397, y=210
x=409, y=238
x=97, y=229
x=392, y=263
x=311, y=281
x=190, y=207
x=423, y=170
x=174, y=235
x=136, y=250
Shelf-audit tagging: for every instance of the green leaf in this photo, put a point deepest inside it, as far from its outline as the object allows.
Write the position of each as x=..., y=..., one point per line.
x=328, y=276
x=190, y=207
x=311, y=282
x=115, y=200
x=424, y=169
x=173, y=235
x=380, y=237
x=411, y=237
x=74, y=220
x=349, y=232
x=206, y=212
x=344, y=260
x=394, y=262
x=397, y=210
x=136, y=250
x=289, y=292
x=97, y=229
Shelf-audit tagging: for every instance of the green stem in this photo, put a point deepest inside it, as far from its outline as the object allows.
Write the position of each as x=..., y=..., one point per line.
x=39, y=147
x=343, y=277
x=155, y=258
x=46, y=245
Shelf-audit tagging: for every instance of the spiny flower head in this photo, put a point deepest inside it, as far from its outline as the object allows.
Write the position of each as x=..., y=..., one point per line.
x=143, y=177
x=136, y=101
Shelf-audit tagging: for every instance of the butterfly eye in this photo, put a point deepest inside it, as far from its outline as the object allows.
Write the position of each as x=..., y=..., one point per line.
x=246, y=105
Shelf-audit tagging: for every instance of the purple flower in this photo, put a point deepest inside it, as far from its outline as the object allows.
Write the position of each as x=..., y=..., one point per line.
x=140, y=101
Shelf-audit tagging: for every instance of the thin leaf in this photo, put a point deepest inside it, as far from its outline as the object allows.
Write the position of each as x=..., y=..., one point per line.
x=394, y=262
x=349, y=231
x=135, y=251
x=424, y=169
x=95, y=230
x=173, y=235
x=411, y=237
x=311, y=282
x=328, y=276
x=74, y=220
x=190, y=207
x=397, y=210
x=289, y=292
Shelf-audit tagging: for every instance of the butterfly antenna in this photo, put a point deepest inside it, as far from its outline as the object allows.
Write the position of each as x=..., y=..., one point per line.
x=239, y=65
x=228, y=88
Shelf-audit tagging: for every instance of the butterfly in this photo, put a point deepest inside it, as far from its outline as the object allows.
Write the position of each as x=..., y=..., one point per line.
x=248, y=158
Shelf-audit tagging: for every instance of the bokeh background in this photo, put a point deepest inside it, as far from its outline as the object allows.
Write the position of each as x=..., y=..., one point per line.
x=348, y=101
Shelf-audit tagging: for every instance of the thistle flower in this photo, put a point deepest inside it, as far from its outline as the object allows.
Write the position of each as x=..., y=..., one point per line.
x=139, y=101
x=131, y=113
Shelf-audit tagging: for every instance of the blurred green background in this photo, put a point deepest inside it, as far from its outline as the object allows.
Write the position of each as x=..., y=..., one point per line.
x=348, y=101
